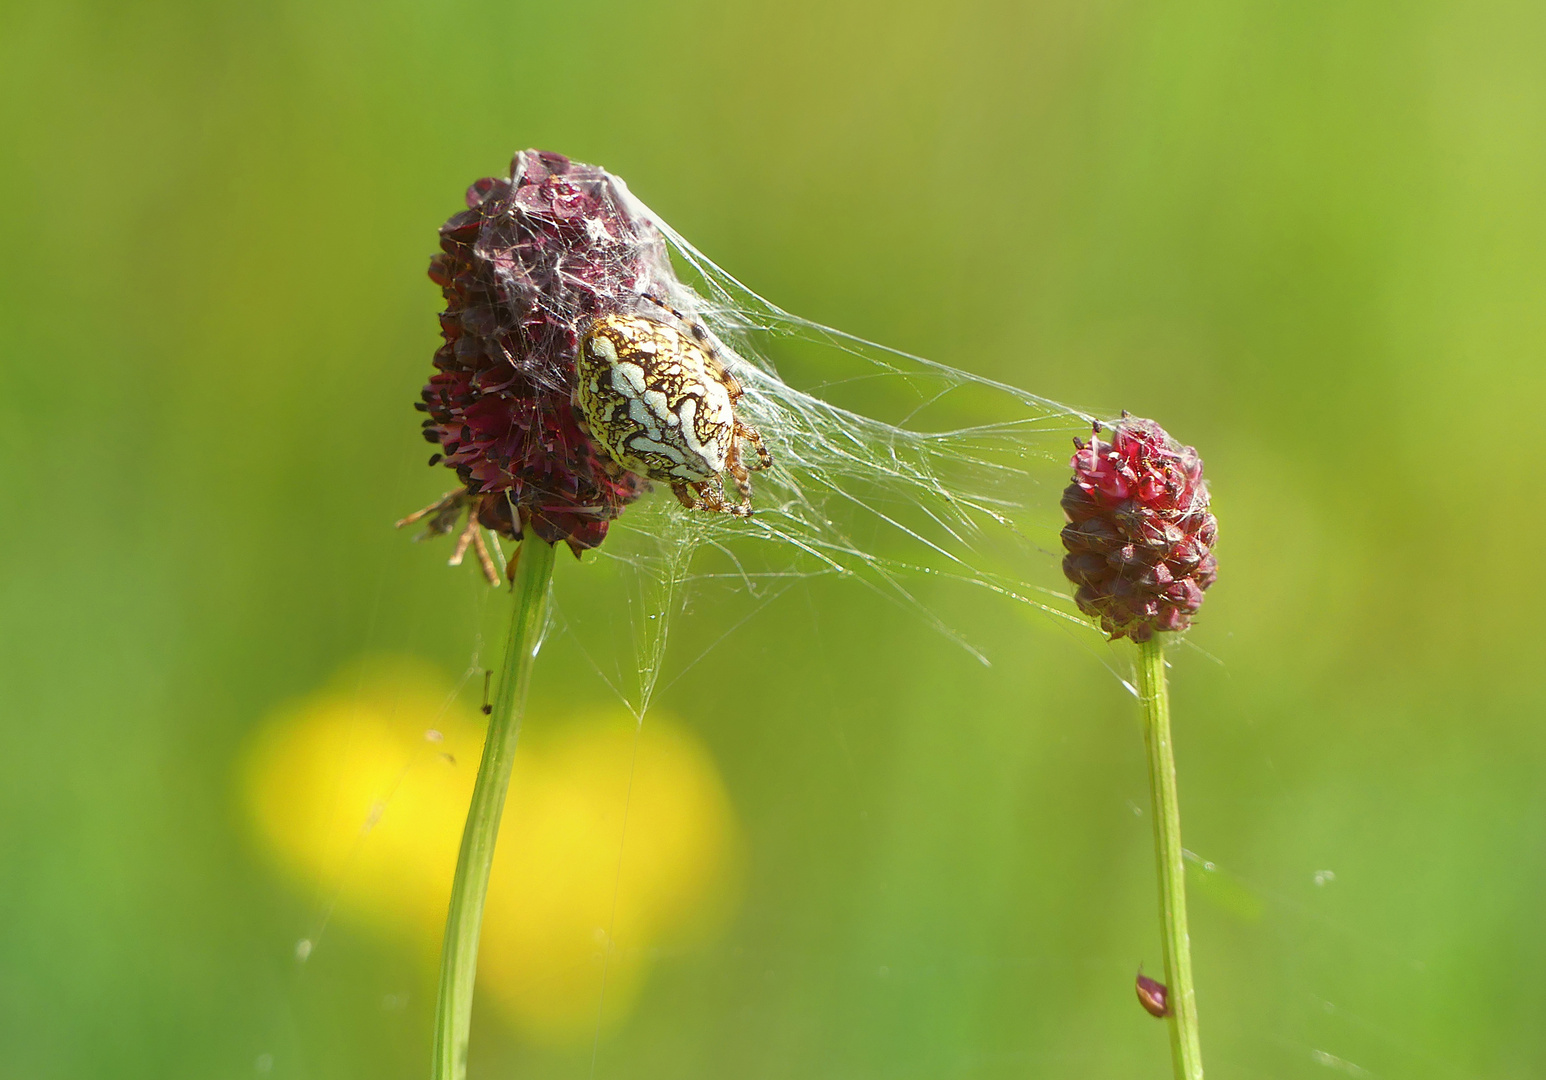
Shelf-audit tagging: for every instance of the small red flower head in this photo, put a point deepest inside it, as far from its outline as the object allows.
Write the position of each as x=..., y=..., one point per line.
x=1139, y=535
x=531, y=260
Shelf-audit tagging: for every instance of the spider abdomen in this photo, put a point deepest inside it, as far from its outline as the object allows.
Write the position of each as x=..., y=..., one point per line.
x=654, y=400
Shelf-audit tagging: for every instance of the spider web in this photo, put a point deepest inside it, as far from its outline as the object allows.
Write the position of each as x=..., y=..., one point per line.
x=889, y=470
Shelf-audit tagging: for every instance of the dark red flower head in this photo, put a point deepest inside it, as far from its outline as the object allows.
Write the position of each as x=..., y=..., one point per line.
x=1139, y=536
x=532, y=258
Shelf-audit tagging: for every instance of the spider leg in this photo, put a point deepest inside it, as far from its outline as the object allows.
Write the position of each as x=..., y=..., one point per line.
x=685, y=496
x=710, y=496
x=719, y=504
x=752, y=435
x=743, y=479
x=717, y=368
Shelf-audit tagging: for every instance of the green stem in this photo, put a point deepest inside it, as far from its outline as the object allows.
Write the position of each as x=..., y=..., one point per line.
x=459, y=960
x=1185, y=1045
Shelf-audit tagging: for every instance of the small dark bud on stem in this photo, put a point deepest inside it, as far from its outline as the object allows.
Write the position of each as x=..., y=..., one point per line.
x=1139, y=536
x=1153, y=995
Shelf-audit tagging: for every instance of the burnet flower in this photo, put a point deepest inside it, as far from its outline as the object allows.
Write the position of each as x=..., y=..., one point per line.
x=1139, y=537
x=529, y=262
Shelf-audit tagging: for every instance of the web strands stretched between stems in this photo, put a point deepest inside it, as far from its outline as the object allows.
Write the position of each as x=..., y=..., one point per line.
x=959, y=482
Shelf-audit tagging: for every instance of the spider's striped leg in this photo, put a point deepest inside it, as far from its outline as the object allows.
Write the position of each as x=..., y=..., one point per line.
x=710, y=496
x=743, y=478
x=745, y=432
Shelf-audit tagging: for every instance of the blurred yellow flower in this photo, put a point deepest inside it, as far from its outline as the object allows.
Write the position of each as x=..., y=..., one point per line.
x=616, y=840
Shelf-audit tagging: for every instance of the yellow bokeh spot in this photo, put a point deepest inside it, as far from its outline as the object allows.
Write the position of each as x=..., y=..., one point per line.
x=617, y=840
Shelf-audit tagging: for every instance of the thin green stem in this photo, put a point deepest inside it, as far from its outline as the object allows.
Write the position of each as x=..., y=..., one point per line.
x=1185, y=1045
x=459, y=960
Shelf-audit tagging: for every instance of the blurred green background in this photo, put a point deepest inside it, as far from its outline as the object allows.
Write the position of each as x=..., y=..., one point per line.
x=1306, y=236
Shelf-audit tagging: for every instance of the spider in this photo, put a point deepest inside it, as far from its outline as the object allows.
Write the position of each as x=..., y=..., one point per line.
x=659, y=403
